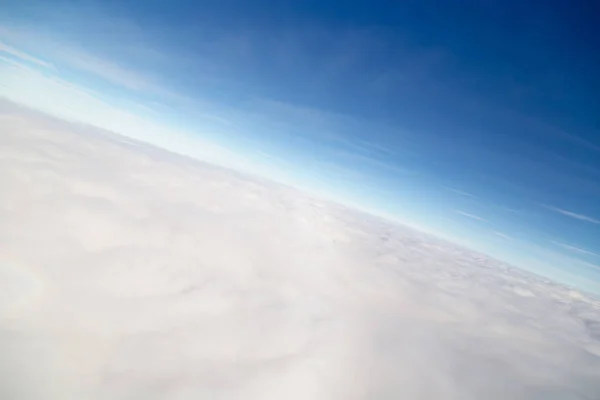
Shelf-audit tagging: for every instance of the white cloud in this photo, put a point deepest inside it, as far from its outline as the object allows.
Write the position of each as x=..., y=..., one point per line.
x=15, y=64
x=130, y=272
x=361, y=161
x=70, y=101
x=575, y=215
x=4, y=48
x=364, y=145
x=75, y=57
x=378, y=147
x=109, y=70
x=575, y=249
x=503, y=235
x=461, y=192
x=473, y=216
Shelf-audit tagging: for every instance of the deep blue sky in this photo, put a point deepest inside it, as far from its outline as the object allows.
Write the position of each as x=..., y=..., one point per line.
x=479, y=121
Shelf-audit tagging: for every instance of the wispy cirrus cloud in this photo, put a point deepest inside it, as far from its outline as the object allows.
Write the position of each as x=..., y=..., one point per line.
x=371, y=146
x=49, y=93
x=502, y=235
x=374, y=162
x=461, y=192
x=574, y=248
x=472, y=216
x=106, y=69
x=572, y=214
x=16, y=53
x=65, y=54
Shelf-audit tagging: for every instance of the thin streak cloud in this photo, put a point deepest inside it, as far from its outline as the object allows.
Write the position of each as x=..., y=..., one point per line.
x=4, y=48
x=461, y=192
x=472, y=216
x=74, y=57
x=574, y=248
x=502, y=235
x=575, y=215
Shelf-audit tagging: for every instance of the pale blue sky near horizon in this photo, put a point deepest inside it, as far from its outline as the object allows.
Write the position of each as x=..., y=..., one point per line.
x=478, y=123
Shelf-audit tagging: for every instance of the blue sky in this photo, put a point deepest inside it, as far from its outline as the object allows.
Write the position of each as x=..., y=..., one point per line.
x=478, y=123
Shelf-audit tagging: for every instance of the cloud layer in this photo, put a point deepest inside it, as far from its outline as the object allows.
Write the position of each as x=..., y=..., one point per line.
x=130, y=272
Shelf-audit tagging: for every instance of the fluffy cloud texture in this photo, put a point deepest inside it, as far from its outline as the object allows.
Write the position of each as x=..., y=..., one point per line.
x=127, y=272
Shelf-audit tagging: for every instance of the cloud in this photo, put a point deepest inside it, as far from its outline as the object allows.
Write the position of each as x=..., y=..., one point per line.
x=361, y=160
x=366, y=146
x=75, y=57
x=379, y=147
x=575, y=249
x=4, y=48
x=106, y=69
x=473, y=216
x=16, y=64
x=461, y=192
x=73, y=102
x=572, y=214
x=502, y=235
x=156, y=275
